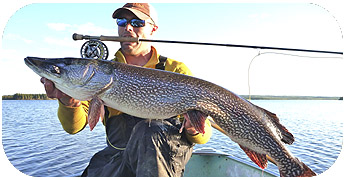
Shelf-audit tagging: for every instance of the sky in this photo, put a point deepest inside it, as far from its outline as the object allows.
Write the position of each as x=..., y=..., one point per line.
x=45, y=30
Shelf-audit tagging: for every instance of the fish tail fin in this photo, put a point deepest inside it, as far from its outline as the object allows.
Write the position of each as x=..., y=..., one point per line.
x=307, y=172
x=304, y=170
x=197, y=119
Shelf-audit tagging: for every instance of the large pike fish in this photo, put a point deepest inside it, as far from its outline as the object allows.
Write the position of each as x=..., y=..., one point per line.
x=156, y=94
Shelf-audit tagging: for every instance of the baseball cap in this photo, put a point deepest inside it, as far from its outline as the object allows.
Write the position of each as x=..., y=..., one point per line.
x=142, y=10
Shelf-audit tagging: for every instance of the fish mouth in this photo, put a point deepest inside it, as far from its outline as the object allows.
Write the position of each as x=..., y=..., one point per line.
x=31, y=63
x=41, y=66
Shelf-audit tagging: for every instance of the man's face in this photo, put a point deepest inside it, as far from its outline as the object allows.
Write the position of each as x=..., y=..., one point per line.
x=135, y=48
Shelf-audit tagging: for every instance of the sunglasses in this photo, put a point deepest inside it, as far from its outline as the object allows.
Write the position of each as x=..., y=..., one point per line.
x=134, y=22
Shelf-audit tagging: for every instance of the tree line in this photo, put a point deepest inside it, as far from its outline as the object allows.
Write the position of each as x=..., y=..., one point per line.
x=19, y=96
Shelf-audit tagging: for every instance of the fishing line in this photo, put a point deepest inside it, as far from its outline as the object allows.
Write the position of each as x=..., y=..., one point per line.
x=295, y=55
x=117, y=148
x=250, y=64
x=285, y=54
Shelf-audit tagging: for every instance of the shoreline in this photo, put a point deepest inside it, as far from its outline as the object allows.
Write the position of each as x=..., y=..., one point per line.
x=270, y=97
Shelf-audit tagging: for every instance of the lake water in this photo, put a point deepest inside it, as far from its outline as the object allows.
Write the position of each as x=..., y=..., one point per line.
x=36, y=144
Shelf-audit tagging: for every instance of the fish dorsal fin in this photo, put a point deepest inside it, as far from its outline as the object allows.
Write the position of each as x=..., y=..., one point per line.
x=257, y=158
x=96, y=111
x=287, y=137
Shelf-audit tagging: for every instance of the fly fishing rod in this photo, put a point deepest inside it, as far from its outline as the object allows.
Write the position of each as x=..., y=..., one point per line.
x=133, y=39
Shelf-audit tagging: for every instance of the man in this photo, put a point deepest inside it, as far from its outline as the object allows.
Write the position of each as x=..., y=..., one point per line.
x=136, y=147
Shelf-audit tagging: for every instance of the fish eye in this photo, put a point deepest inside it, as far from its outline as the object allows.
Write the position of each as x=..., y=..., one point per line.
x=55, y=69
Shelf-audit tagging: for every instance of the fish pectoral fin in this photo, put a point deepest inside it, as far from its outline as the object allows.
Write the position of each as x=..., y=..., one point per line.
x=182, y=127
x=287, y=137
x=96, y=111
x=257, y=158
x=197, y=119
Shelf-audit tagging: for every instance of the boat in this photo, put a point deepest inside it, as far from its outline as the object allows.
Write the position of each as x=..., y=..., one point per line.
x=208, y=162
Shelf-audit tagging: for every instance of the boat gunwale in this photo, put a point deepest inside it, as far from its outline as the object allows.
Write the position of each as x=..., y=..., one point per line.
x=213, y=152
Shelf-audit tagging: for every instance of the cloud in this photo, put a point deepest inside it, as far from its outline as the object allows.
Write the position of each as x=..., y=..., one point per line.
x=62, y=36
x=92, y=29
x=10, y=55
x=17, y=37
x=65, y=42
x=87, y=28
x=58, y=26
x=259, y=16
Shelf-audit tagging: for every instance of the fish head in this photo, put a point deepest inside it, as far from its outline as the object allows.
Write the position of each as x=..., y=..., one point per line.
x=79, y=78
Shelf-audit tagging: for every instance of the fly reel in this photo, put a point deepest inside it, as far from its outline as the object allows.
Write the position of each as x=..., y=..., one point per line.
x=94, y=49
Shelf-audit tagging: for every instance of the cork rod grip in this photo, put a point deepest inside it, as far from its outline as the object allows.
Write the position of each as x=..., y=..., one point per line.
x=119, y=39
x=76, y=37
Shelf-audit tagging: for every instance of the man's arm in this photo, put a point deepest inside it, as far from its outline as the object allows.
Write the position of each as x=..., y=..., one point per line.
x=72, y=113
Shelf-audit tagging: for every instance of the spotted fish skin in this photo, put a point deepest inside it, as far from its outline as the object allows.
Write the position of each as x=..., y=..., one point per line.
x=156, y=94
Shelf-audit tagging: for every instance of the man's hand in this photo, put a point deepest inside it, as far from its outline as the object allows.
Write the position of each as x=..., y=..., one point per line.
x=53, y=92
